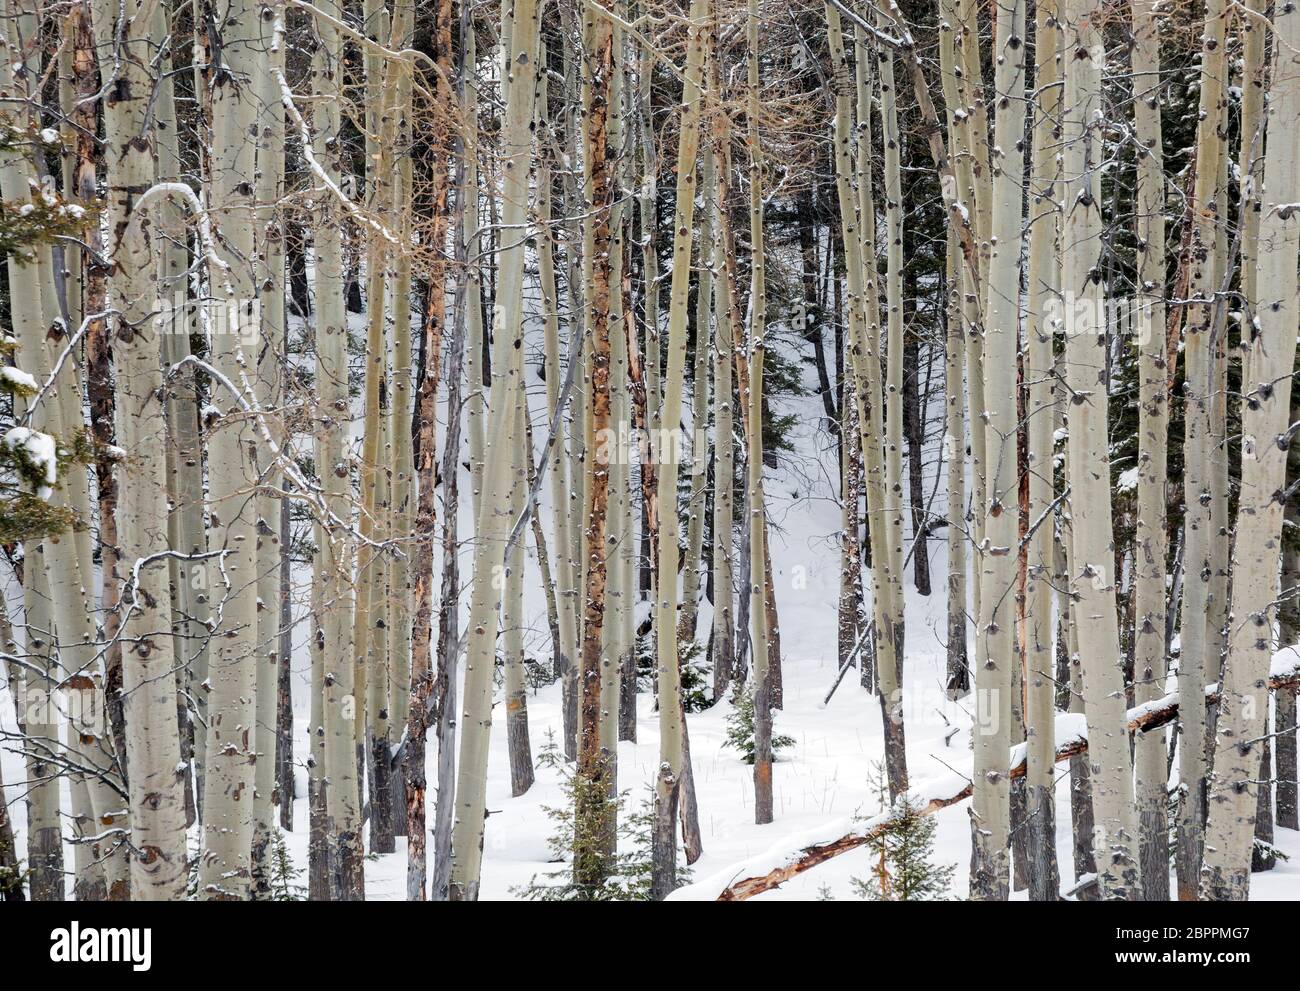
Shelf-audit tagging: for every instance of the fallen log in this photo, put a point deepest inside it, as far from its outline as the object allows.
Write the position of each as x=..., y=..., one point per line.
x=778, y=865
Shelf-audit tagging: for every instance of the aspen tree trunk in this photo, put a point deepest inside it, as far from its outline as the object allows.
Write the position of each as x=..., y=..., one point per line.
x=1217, y=613
x=545, y=242
x=370, y=657
x=869, y=467
x=44, y=832
x=617, y=630
x=753, y=398
x=724, y=457
x=974, y=176
x=1250, y=158
x=399, y=430
x=493, y=517
x=1092, y=578
x=887, y=588
x=339, y=783
x=995, y=648
x=475, y=402
x=269, y=347
x=232, y=446
x=576, y=96
x=1153, y=440
x=29, y=322
x=1251, y=152
x=69, y=556
x=1242, y=717
x=647, y=210
x=849, y=205
x=618, y=673
x=61, y=641
x=426, y=453
x=1040, y=635
x=1070, y=683
x=448, y=648
x=371, y=623
x=582, y=432
x=672, y=769
x=695, y=509
x=957, y=682
x=891, y=681
x=89, y=790
x=149, y=685
x=448, y=641
x=559, y=467
x=724, y=464
x=591, y=863
x=1194, y=659
x=187, y=531
x=100, y=394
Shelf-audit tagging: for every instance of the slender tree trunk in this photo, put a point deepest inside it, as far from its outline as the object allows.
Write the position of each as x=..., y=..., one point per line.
x=753, y=398
x=591, y=864
x=995, y=648
x=880, y=454
x=892, y=137
x=338, y=785
x=1194, y=657
x=696, y=507
x=957, y=683
x=424, y=692
x=402, y=385
x=1040, y=635
x=1092, y=579
x=973, y=177
x=566, y=578
x=727, y=625
x=1242, y=718
x=671, y=727
x=1151, y=540
x=618, y=667
x=270, y=345
x=493, y=520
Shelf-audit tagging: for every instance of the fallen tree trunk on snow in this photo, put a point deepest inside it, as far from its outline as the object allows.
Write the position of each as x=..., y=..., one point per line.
x=773, y=868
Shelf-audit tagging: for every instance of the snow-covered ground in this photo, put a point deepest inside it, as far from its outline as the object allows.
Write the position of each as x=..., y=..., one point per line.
x=824, y=777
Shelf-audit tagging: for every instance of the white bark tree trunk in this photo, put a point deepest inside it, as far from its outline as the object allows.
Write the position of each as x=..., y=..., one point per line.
x=1092, y=576
x=671, y=729
x=1151, y=541
x=1194, y=659
x=493, y=516
x=995, y=645
x=1244, y=708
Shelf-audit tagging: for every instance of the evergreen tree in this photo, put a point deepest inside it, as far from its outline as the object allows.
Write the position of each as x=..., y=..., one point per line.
x=904, y=869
